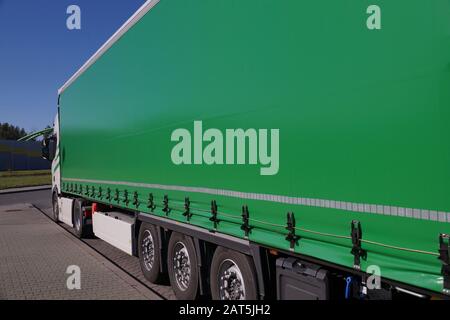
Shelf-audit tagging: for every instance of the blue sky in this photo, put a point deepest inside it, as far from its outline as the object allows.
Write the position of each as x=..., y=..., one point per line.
x=38, y=53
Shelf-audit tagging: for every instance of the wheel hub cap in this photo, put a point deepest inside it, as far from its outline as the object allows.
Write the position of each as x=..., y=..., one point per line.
x=231, y=282
x=181, y=266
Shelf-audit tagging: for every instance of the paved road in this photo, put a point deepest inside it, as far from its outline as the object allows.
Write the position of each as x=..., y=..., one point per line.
x=41, y=199
x=130, y=265
x=40, y=260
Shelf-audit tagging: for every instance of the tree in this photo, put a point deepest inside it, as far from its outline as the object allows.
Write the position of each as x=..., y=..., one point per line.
x=10, y=132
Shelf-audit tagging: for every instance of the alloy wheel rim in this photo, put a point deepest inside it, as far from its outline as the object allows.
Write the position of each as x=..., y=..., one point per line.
x=181, y=266
x=148, y=250
x=231, y=281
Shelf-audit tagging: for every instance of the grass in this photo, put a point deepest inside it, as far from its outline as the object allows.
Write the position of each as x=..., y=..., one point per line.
x=17, y=179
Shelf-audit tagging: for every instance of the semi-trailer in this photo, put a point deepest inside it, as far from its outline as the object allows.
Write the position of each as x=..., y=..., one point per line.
x=266, y=149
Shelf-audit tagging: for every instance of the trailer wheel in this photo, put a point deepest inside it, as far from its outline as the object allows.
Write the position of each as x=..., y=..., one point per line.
x=149, y=252
x=182, y=266
x=55, y=207
x=232, y=276
x=78, y=219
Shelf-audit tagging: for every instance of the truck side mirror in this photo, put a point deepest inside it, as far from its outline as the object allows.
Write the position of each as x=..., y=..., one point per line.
x=49, y=148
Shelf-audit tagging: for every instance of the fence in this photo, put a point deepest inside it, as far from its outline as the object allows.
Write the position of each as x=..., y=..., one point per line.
x=15, y=155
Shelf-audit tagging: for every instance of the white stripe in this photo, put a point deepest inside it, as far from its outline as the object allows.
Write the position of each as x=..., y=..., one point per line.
x=422, y=214
x=108, y=44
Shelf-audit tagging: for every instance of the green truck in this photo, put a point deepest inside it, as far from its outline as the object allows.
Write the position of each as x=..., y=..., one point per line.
x=266, y=149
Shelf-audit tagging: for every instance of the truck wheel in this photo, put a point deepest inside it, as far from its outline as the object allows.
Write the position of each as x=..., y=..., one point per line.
x=182, y=266
x=232, y=276
x=55, y=207
x=78, y=219
x=149, y=252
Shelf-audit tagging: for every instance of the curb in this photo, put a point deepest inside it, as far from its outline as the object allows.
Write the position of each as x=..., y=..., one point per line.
x=25, y=189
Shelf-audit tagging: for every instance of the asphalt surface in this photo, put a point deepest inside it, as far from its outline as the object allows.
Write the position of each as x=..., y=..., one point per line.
x=41, y=199
x=41, y=202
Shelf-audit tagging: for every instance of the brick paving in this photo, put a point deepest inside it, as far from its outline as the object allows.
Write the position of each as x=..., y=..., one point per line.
x=131, y=265
x=34, y=256
x=126, y=262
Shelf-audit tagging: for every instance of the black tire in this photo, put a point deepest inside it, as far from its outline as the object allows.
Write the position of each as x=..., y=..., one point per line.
x=221, y=260
x=55, y=207
x=181, y=251
x=79, y=221
x=149, y=253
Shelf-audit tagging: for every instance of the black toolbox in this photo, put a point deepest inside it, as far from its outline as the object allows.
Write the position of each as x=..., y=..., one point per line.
x=298, y=280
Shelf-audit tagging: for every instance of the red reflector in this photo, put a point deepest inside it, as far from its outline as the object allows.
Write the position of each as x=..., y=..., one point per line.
x=94, y=207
